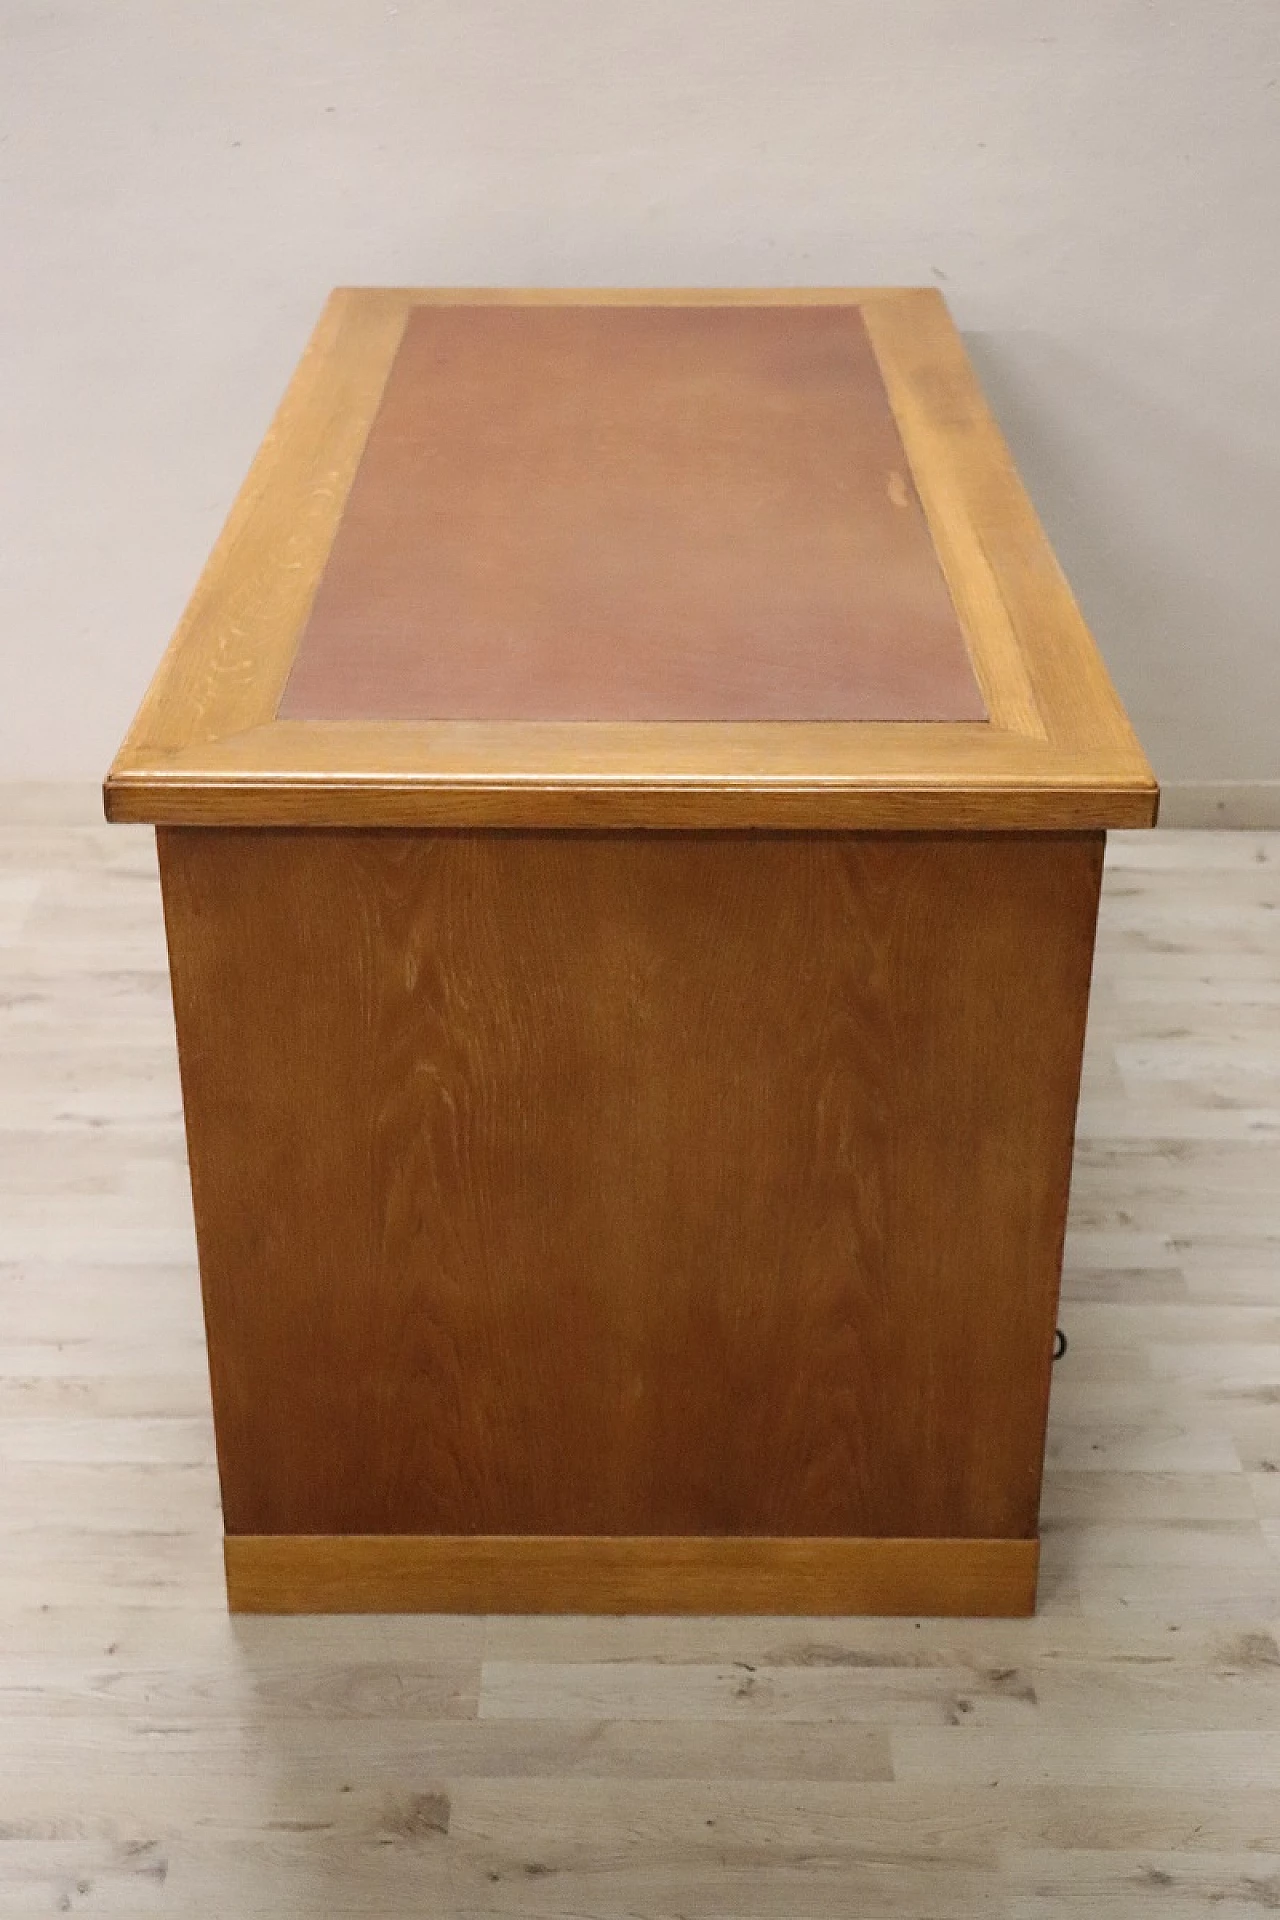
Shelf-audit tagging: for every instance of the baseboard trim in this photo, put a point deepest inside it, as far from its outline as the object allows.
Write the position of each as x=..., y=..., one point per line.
x=1249, y=805
x=443, y=1573
x=51, y=803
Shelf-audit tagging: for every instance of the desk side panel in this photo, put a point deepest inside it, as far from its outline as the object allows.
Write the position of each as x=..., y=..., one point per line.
x=630, y=1184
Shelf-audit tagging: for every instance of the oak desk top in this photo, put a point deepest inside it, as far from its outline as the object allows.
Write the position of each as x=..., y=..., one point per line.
x=670, y=559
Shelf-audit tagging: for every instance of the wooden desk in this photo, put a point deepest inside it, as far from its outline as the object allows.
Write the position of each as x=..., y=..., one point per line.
x=631, y=787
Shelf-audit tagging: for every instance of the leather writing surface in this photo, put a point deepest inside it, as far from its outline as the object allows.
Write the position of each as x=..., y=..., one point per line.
x=633, y=513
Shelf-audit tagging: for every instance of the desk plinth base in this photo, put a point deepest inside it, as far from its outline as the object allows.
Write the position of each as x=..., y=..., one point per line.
x=417, y=1573
x=630, y=1221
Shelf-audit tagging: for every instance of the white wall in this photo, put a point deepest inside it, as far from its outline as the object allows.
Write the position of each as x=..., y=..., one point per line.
x=1094, y=184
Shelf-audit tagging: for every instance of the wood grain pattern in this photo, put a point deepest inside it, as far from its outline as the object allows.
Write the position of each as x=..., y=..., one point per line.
x=227, y=664
x=630, y=1184
x=1057, y=755
x=413, y=1573
x=1118, y=1754
x=728, y=776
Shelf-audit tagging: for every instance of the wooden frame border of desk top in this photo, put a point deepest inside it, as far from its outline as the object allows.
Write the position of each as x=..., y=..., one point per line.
x=417, y=1573
x=1057, y=753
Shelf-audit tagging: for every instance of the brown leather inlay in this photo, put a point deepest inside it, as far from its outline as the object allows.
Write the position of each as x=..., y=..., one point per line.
x=633, y=513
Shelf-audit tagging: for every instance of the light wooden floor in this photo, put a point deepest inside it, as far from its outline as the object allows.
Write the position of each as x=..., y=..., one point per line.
x=1118, y=1755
